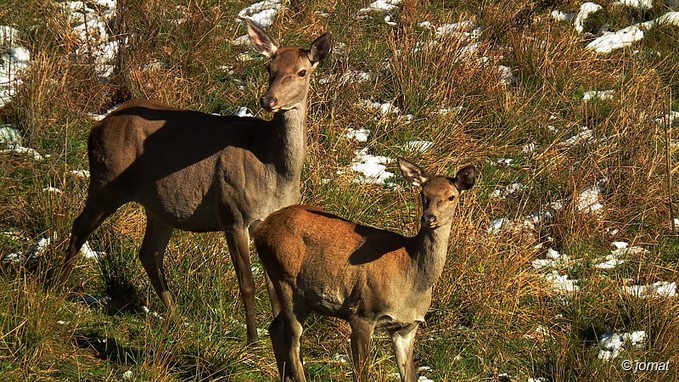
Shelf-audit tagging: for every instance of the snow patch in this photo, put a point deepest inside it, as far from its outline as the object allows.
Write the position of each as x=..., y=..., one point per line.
x=21, y=150
x=92, y=19
x=128, y=375
x=503, y=193
x=542, y=215
x=598, y=94
x=39, y=248
x=615, y=40
x=554, y=259
x=262, y=13
x=668, y=118
x=13, y=63
x=417, y=147
x=359, y=135
x=52, y=190
x=638, y=4
x=610, y=262
x=9, y=135
x=12, y=258
x=529, y=148
x=385, y=108
x=380, y=6
x=357, y=76
x=8, y=35
x=497, y=224
x=83, y=174
x=17, y=56
x=657, y=289
x=505, y=161
x=583, y=136
x=539, y=333
x=32, y=253
x=627, y=36
x=561, y=283
x=372, y=168
x=464, y=31
x=506, y=75
x=459, y=29
x=612, y=344
x=243, y=112
x=586, y=10
x=99, y=117
x=87, y=251
x=562, y=16
x=614, y=259
x=626, y=250
x=589, y=200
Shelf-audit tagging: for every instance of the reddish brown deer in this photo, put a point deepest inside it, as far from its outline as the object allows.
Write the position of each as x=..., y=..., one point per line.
x=200, y=172
x=370, y=277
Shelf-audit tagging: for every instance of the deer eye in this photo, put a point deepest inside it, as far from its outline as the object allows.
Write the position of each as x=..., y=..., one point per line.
x=451, y=197
x=301, y=73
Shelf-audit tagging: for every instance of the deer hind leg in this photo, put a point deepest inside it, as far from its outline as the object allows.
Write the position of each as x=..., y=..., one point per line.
x=281, y=346
x=273, y=297
x=151, y=255
x=96, y=210
x=239, y=250
x=403, y=341
x=361, y=337
x=286, y=333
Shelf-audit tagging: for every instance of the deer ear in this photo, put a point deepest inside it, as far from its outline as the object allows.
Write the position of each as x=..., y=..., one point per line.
x=260, y=40
x=414, y=174
x=320, y=48
x=465, y=178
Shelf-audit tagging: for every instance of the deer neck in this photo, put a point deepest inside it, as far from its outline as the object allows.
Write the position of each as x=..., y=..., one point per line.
x=430, y=255
x=287, y=143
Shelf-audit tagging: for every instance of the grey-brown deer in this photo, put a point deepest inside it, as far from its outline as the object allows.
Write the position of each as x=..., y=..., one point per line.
x=370, y=277
x=200, y=172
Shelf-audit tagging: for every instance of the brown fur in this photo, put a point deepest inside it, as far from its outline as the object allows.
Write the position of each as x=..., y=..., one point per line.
x=367, y=276
x=200, y=172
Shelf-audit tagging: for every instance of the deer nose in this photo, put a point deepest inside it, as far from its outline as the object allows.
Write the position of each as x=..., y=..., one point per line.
x=429, y=219
x=268, y=101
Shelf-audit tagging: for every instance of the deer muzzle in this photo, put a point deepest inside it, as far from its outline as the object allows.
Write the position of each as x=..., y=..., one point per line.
x=269, y=102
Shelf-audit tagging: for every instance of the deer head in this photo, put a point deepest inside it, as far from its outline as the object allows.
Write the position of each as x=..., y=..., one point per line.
x=439, y=193
x=289, y=68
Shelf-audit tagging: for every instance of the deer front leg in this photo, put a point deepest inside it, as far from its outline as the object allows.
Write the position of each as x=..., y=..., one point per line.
x=403, y=341
x=239, y=250
x=361, y=338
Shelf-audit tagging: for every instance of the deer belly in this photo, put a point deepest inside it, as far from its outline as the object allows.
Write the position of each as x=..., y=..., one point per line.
x=324, y=299
x=323, y=303
x=187, y=207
